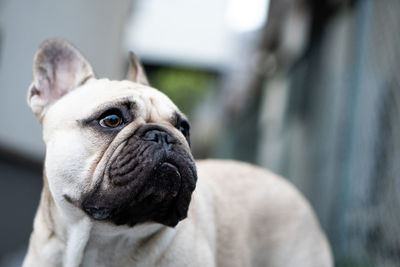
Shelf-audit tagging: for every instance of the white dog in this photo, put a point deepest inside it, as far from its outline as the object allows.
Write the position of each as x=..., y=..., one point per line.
x=121, y=187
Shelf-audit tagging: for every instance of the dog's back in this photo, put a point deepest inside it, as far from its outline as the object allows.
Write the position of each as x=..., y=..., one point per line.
x=260, y=219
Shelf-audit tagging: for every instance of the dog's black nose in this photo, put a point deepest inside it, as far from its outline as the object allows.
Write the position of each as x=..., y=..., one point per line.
x=158, y=136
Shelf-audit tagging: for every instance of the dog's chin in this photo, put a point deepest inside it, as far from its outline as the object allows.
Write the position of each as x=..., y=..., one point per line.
x=146, y=183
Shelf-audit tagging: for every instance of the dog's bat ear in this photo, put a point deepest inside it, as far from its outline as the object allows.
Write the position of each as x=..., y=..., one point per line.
x=136, y=71
x=57, y=69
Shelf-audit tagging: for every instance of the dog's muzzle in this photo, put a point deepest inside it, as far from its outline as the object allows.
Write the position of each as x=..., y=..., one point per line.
x=151, y=179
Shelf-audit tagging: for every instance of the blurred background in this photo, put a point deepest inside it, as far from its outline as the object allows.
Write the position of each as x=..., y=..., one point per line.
x=306, y=88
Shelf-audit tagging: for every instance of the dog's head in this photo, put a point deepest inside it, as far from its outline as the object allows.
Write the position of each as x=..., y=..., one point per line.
x=117, y=151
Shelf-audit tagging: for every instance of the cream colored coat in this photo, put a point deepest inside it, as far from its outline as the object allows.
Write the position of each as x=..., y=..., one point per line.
x=240, y=215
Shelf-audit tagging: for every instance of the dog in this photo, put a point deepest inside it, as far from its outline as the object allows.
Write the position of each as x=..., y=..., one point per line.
x=121, y=187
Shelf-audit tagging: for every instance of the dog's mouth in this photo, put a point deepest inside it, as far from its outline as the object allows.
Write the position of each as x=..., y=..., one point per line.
x=169, y=172
x=147, y=181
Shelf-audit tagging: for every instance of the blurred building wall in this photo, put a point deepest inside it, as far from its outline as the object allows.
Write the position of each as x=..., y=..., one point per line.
x=182, y=32
x=94, y=26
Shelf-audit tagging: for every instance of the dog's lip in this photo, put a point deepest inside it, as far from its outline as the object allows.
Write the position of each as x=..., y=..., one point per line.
x=98, y=213
x=163, y=170
x=169, y=169
x=168, y=166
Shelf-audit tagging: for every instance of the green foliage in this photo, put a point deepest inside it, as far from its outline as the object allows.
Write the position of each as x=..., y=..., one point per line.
x=186, y=87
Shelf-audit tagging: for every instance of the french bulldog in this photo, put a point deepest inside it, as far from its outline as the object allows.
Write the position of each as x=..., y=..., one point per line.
x=121, y=187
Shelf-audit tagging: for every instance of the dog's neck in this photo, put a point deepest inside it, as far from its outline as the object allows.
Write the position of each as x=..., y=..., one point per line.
x=57, y=241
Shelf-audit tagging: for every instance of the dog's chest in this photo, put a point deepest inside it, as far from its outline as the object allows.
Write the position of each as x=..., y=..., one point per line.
x=114, y=252
x=121, y=250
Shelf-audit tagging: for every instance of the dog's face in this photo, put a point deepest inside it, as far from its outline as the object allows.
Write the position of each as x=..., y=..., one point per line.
x=117, y=151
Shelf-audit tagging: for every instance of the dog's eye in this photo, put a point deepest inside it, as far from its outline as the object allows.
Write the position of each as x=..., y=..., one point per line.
x=111, y=121
x=184, y=127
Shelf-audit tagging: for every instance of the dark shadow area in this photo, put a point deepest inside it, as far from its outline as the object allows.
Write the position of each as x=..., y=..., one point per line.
x=20, y=185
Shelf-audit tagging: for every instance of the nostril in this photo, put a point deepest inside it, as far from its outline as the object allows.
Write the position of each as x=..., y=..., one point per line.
x=169, y=139
x=158, y=137
x=153, y=135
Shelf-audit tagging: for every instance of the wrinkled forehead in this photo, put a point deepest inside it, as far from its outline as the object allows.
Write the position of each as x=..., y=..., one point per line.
x=100, y=94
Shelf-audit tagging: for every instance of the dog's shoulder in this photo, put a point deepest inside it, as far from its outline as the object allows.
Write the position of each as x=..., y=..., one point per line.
x=233, y=176
x=275, y=214
x=254, y=191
